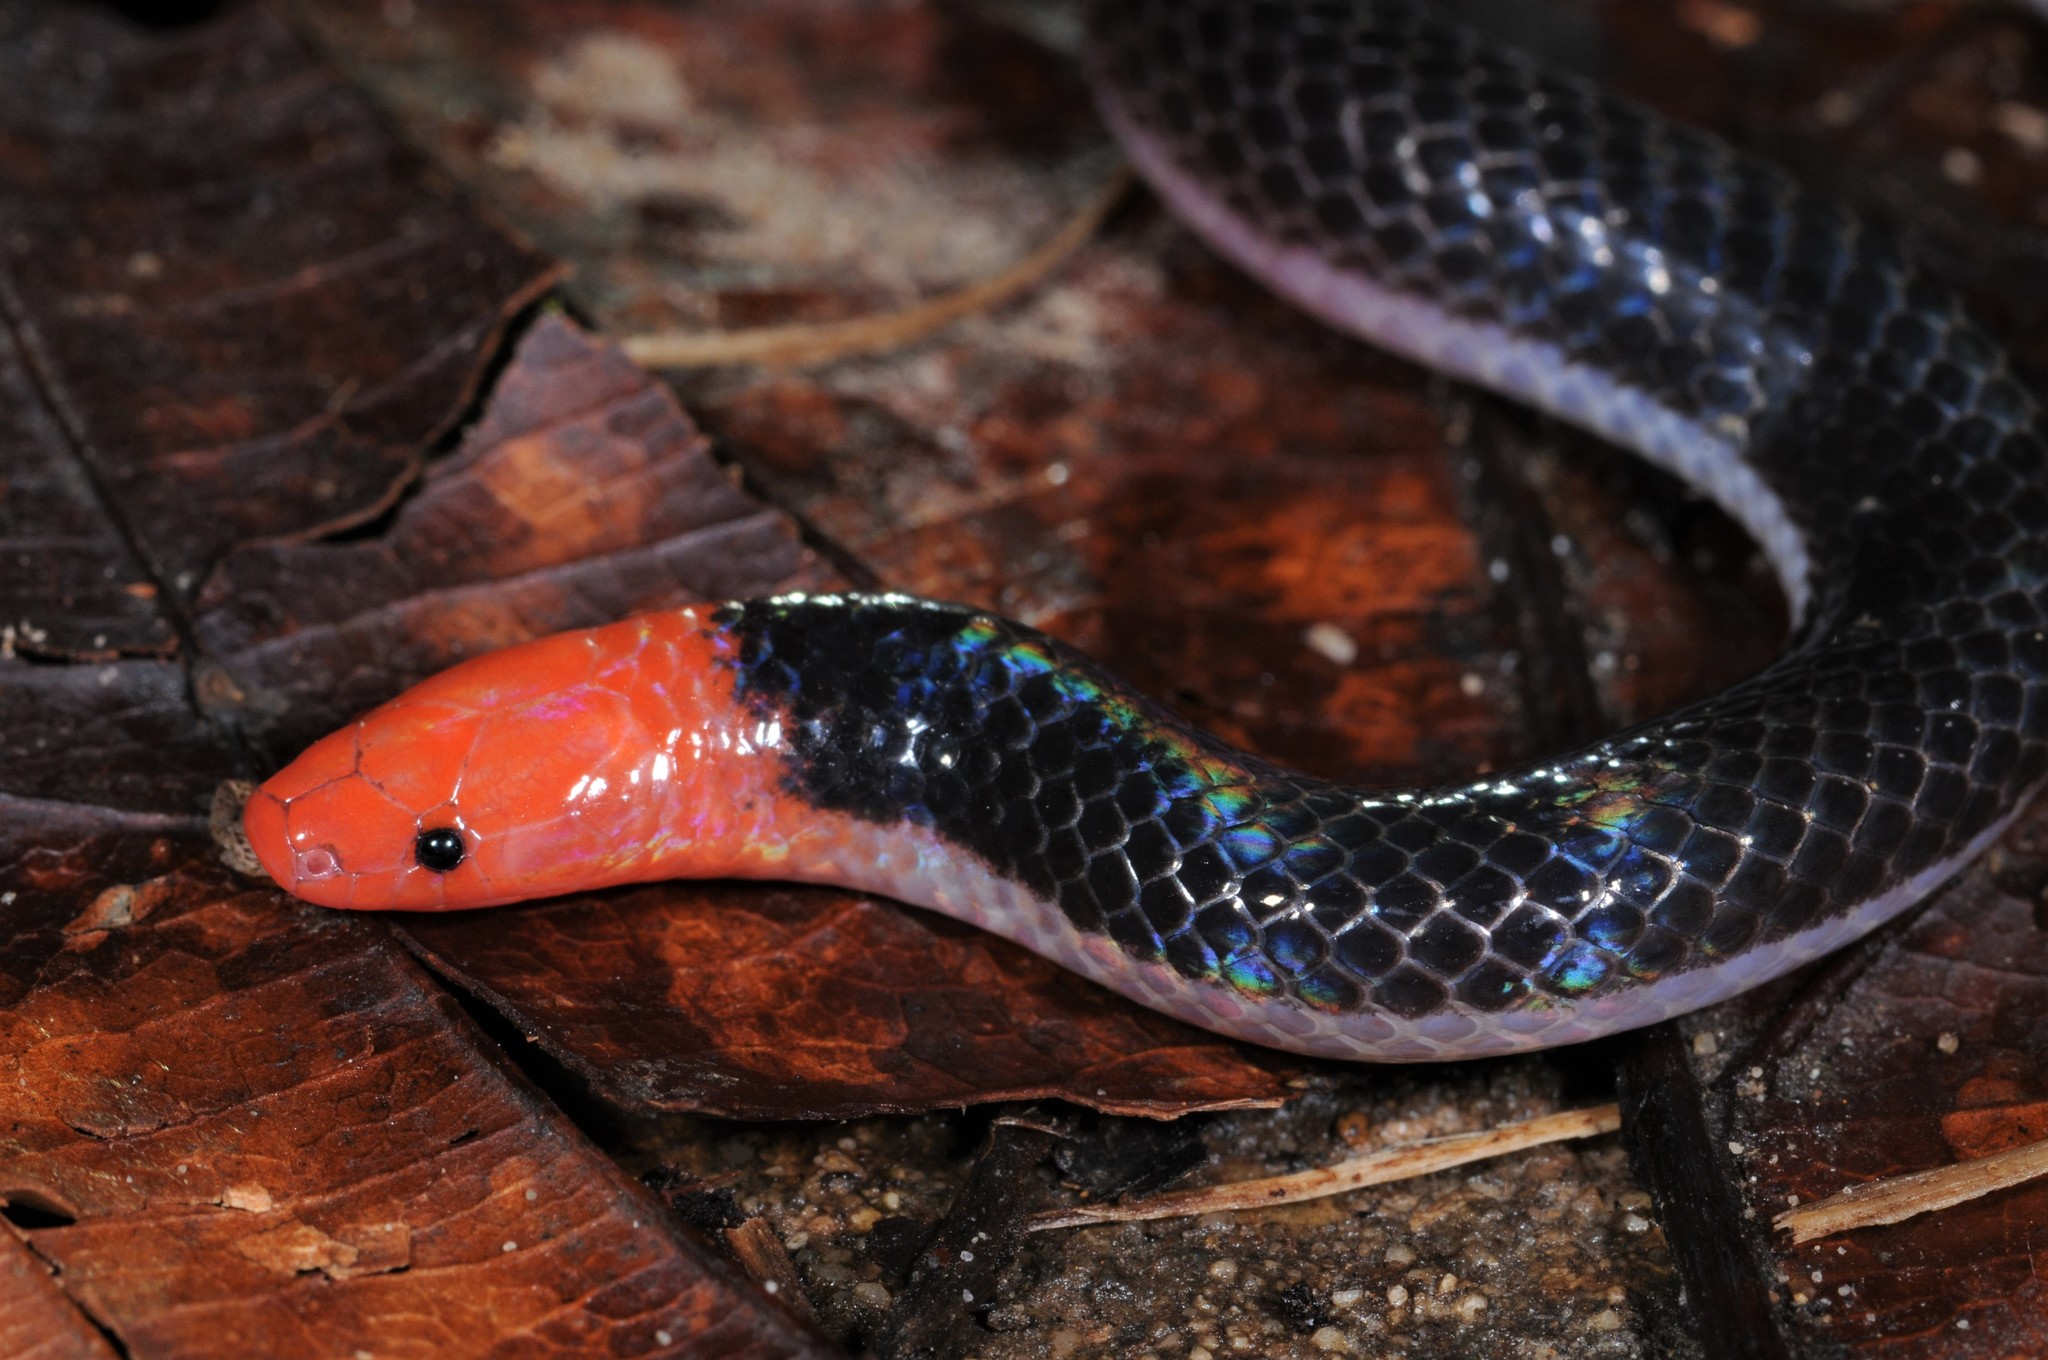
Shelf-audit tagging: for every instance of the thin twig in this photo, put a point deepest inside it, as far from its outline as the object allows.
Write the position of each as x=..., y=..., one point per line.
x=1897, y=1198
x=762, y=1255
x=821, y=342
x=1378, y=1168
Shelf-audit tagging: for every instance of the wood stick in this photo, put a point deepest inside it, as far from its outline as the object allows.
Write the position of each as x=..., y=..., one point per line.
x=1377, y=1168
x=821, y=342
x=1896, y=1198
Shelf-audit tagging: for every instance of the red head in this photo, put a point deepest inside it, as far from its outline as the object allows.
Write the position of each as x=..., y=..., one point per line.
x=574, y=762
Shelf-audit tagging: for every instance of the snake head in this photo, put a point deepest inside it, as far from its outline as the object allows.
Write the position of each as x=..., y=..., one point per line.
x=555, y=766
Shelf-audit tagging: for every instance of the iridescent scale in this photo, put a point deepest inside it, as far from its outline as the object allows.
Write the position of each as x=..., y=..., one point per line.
x=1404, y=179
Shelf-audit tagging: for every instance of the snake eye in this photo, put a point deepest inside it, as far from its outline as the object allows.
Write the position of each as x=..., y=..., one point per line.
x=440, y=849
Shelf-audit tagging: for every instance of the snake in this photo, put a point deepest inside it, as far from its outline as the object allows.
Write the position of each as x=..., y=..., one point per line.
x=1410, y=181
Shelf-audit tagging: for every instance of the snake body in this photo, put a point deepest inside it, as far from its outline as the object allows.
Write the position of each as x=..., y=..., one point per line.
x=1407, y=180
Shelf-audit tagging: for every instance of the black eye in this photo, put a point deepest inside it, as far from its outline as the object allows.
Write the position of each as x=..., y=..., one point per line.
x=440, y=849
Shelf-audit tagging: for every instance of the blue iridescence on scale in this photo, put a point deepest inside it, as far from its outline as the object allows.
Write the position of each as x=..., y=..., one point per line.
x=1526, y=230
x=1183, y=851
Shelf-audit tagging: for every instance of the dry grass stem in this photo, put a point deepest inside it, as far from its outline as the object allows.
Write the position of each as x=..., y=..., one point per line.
x=822, y=342
x=1897, y=1198
x=1378, y=1168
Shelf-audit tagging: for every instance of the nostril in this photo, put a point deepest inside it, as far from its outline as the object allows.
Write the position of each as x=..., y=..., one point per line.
x=319, y=862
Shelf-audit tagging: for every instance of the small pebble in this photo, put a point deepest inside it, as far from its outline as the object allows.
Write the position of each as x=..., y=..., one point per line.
x=1721, y=24
x=1331, y=643
x=1837, y=108
x=2023, y=123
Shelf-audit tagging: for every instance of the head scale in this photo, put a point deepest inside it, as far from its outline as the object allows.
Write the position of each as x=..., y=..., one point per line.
x=574, y=762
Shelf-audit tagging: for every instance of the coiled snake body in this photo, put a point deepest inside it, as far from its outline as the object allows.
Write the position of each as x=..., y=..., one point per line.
x=1404, y=179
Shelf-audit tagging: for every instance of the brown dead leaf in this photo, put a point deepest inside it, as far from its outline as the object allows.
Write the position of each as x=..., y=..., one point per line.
x=235, y=1040
x=581, y=495
x=71, y=586
x=37, y=1320
x=231, y=1125
x=773, y=1002
x=254, y=307
x=116, y=734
